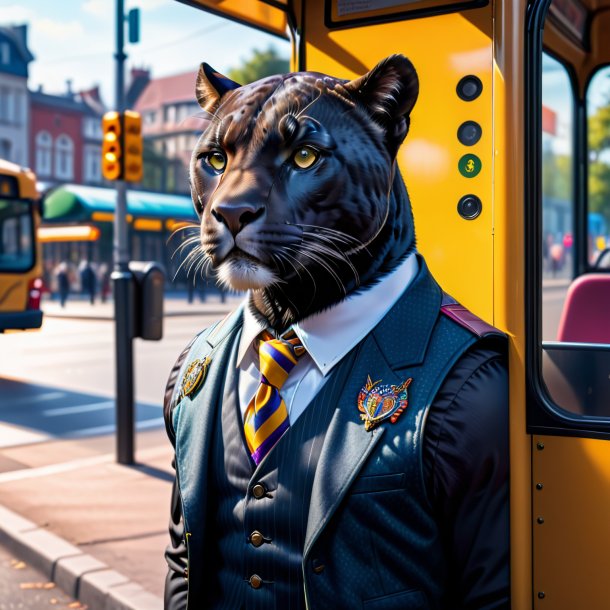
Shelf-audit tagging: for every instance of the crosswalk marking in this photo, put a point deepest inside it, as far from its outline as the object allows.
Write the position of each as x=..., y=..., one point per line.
x=96, y=406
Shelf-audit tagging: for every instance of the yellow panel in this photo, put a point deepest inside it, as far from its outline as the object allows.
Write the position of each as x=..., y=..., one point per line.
x=252, y=12
x=102, y=217
x=25, y=178
x=147, y=224
x=459, y=252
x=571, y=545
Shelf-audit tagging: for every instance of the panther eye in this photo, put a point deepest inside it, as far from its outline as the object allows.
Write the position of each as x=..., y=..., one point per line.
x=216, y=160
x=305, y=157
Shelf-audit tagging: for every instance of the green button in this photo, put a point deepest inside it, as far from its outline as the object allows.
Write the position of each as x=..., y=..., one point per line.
x=469, y=166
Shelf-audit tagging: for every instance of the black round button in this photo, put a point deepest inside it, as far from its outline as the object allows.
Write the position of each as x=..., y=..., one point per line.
x=469, y=207
x=259, y=491
x=469, y=88
x=469, y=133
x=255, y=581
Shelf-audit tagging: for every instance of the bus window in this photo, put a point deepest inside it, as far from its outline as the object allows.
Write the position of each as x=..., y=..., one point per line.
x=598, y=123
x=16, y=236
x=557, y=192
x=572, y=203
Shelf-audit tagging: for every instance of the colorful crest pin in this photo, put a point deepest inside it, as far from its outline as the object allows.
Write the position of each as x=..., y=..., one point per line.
x=377, y=402
x=194, y=377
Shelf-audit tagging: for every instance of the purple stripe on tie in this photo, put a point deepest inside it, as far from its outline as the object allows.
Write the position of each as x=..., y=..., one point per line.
x=263, y=414
x=278, y=357
x=269, y=442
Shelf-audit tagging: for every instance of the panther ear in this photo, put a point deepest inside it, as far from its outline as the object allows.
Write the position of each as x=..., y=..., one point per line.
x=211, y=86
x=389, y=91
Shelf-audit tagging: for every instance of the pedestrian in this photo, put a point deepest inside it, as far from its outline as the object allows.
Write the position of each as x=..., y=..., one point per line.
x=63, y=282
x=557, y=257
x=191, y=288
x=88, y=280
x=104, y=279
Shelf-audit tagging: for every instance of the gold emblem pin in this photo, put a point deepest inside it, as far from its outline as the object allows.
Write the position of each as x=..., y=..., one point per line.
x=194, y=377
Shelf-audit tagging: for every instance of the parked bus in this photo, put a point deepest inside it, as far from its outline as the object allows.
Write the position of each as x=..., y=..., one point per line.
x=20, y=257
x=492, y=65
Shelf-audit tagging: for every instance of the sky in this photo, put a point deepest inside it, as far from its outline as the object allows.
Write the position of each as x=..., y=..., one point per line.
x=75, y=39
x=556, y=94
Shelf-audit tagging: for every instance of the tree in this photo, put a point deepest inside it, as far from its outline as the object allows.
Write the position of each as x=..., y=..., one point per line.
x=599, y=161
x=556, y=175
x=261, y=64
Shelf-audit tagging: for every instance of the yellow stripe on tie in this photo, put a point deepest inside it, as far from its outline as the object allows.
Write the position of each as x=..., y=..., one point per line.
x=279, y=415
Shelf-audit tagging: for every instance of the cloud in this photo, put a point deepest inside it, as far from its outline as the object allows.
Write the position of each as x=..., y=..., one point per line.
x=98, y=8
x=15, y=13
x=148, y=5
x=59, y=31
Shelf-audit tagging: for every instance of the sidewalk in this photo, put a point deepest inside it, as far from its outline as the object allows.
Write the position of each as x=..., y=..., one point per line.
x=175, y=304
x=98, y=529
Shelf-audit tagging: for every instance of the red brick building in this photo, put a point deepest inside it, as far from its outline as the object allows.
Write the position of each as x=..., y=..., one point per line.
x=65, y=137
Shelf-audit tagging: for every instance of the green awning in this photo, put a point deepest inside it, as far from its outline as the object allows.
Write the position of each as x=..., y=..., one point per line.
x=73, y=203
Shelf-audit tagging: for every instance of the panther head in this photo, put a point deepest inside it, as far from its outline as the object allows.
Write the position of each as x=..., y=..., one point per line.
x=295, y=181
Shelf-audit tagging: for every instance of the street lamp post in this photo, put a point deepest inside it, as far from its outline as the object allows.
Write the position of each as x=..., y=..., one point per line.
x=123, y=282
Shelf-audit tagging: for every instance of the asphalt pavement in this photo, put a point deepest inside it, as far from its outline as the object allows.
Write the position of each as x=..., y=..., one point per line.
x=24, y=588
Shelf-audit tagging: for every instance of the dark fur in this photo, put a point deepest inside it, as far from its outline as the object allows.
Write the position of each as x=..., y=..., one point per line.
x=323, y=232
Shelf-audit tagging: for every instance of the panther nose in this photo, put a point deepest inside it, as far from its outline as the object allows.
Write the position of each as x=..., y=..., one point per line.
x=235, y=216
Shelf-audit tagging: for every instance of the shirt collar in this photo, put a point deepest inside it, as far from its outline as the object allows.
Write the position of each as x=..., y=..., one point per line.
x=331, y=334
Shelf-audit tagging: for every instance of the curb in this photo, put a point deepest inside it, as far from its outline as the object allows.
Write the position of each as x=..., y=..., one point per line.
x=85, y=578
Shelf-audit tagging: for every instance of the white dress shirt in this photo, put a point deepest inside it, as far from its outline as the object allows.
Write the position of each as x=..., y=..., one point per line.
x=327, y=336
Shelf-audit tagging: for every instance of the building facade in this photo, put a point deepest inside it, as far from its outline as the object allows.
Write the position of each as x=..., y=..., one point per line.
x=66, y=136
x=170, y=129
x=14, y=107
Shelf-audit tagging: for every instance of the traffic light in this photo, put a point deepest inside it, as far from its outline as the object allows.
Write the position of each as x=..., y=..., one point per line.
x=111, y=146
x=132, y=145
x=122, y=146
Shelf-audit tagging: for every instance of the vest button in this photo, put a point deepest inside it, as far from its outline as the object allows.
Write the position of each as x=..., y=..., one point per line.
x=255, y=581
x=256, y=538
x=318, y=566
x=259, y=491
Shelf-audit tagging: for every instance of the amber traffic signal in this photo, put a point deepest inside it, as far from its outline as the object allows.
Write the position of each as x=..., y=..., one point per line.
x=122, y=146
x=111, y=146
x=132, y=146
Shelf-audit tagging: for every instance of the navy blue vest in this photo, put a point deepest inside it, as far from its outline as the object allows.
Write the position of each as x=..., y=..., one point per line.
x=262, y=536
x=345, y=518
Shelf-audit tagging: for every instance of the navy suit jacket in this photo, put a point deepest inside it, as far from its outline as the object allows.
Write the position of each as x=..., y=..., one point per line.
x=372, y=486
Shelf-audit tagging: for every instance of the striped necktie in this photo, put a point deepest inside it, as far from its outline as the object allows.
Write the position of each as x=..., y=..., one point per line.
x=266, y=418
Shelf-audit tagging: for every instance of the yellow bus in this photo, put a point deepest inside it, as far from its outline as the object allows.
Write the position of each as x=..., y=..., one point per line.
x=529, y=80
x=20, y=257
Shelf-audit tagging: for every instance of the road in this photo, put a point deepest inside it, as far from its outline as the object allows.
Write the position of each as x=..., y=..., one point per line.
x=59, y=382
x=23, y=588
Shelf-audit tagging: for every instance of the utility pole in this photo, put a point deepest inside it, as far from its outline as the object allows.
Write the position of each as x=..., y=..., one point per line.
x=123, y=282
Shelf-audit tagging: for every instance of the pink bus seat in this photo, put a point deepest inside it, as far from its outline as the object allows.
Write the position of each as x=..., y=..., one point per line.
x=586, y=311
